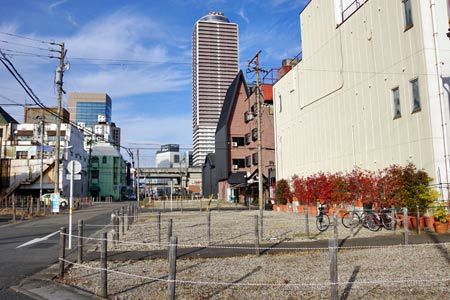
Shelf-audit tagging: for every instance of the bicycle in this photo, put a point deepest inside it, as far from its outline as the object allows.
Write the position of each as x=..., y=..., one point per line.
x=347, y=220
x=375, y=222
x=322, y=220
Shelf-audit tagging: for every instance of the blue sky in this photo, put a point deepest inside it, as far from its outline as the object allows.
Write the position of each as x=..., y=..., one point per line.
x=138, y=52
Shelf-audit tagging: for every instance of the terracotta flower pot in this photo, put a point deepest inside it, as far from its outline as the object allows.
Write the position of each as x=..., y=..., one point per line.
x=414, y=222
x=440, y=227
x=429, y=222
x=275, y=207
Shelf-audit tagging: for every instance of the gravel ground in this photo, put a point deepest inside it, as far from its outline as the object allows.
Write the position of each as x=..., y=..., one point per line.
x=394, y=272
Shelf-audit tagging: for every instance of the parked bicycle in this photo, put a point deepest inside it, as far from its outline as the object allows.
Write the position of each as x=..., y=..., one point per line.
x=322, y=220
x=375, y=222
x=351, y=218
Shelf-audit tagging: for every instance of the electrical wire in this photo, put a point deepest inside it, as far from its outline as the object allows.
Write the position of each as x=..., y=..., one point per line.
x=13, y=71
x=26, y=38
x=26, y=46
x=11, y=52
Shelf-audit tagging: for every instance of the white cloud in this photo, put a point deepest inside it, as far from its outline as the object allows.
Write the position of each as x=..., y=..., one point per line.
x=118, y=36
x=56, y=4
x=71, y=20
x=242, y=14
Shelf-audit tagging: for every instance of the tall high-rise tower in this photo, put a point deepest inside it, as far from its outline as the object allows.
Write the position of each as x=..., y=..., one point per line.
x=215, y=63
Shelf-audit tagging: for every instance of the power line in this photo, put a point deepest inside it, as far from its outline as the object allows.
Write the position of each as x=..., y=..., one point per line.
x=38, y=102
x=12, y=52
x=25, y=38
x=26, y=46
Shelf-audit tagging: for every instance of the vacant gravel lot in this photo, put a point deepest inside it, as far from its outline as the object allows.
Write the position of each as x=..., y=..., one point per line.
x=395, y=272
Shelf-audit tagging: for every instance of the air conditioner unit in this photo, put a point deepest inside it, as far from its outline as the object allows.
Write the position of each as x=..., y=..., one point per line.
x=234, y=144
x=235, y=167
x=249, y=116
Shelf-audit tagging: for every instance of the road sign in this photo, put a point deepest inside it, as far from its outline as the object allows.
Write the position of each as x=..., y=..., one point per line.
x=74, y=167
x=75, y=176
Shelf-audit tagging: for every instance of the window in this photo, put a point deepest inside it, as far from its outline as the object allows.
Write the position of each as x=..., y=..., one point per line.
x=255, y=158
x=254, y=134
x=95, y=160
x=416, y=95
x=396, y=97
x=21, y=154
x=240, y=141
x=104, y=159
x=248, y=137
x=408, y=14
x=95, y=173
x=239, y=162
x=280, y=104
x=248, y=161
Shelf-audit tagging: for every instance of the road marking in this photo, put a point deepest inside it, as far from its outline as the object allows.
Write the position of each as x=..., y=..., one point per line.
x=37, y=240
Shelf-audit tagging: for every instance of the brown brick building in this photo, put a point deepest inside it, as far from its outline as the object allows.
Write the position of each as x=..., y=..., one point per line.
x=236, y=152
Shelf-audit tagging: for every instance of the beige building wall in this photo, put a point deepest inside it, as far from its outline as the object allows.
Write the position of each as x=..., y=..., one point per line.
x=335, y=109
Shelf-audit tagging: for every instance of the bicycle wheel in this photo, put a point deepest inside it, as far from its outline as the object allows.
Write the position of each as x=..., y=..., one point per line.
x=346, y=220
x=372, y=222
x=389, y=223
x=322, y=222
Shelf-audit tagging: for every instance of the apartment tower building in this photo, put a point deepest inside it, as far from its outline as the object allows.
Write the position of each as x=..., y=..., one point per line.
x=215, y=63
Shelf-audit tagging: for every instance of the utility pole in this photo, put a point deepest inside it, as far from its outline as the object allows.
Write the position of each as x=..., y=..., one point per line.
x=42, y=163
x=137, y=177
x=261, y=201
x=59, y=83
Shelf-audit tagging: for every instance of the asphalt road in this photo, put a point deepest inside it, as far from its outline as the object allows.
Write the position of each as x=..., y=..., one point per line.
x=19, y=263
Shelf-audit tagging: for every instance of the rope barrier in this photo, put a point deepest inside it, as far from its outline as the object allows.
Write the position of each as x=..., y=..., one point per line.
x=165, y=244
x=325, y=284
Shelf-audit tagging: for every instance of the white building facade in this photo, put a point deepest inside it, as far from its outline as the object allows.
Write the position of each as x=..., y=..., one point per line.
x=371, y=90
x=24, y=150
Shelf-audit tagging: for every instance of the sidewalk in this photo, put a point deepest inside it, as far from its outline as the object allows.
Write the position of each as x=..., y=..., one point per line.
x=43, y=286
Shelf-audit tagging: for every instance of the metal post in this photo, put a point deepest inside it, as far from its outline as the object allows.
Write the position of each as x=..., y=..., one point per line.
x=418, y=219
x=335, y=226
x=113, y=225
x=394, y=219
x=256, y=235
x=352, y=232
x=125, y=219
x=334, y=287
x=14, y=208
x=172, y=267
x=104, y=266
x=169, y=232
x=305, y=209
x=261, y=223
x=405, y=226
x=80, y=241
x=208, y=228
x=62, y=251
x=159, y=227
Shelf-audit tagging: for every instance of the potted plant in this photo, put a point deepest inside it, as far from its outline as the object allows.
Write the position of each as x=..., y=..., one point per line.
x=429, y=218
x=441, y=218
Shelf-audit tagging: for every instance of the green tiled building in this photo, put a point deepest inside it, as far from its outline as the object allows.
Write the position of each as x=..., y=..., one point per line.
x=107, y=172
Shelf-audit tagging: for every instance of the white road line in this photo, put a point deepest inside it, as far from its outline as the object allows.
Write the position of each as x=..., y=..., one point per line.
x=37, y=240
